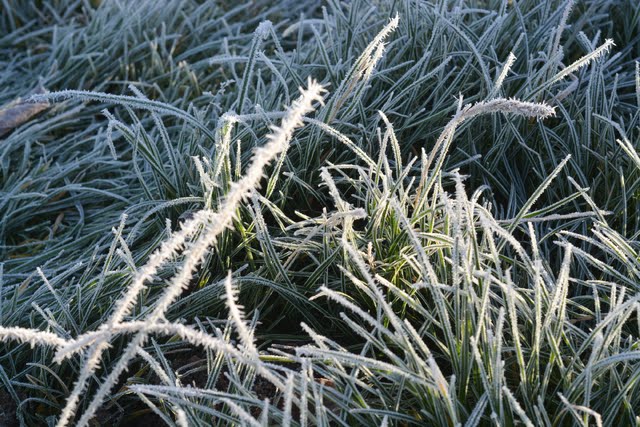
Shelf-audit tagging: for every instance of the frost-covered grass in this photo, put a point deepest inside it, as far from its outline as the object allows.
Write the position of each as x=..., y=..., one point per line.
x=321, y=213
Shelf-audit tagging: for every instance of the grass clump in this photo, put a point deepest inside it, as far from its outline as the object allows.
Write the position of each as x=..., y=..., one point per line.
x=362, y=213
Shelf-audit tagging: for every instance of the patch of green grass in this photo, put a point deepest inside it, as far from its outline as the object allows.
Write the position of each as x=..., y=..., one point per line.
x=450, y=237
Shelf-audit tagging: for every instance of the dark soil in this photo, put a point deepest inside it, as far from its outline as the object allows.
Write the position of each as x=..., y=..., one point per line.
x=7, y=410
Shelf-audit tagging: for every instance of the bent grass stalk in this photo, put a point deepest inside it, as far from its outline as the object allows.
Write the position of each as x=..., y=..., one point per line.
x=278, y=141
x=212, y=225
